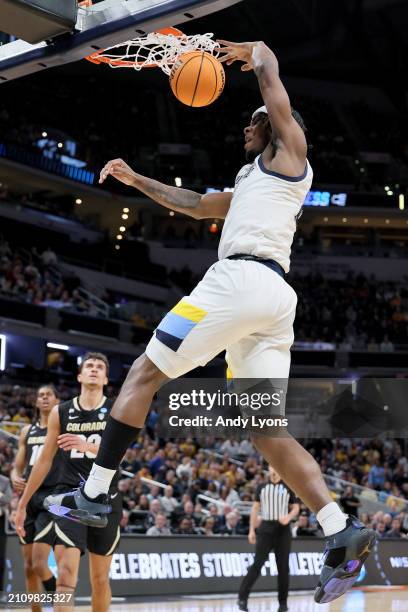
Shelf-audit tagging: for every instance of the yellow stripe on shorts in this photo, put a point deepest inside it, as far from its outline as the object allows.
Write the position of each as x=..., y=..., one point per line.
x=188, y=311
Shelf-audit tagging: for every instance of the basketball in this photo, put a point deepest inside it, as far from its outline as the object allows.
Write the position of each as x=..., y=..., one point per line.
x=197, y=78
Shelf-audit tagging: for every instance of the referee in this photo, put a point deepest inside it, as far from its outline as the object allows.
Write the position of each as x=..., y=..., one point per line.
x=278, y=507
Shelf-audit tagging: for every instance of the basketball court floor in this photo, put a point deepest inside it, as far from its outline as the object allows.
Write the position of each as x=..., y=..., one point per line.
x=393, y=599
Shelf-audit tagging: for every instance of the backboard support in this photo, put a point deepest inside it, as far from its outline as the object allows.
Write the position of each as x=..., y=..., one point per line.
x=99, y=26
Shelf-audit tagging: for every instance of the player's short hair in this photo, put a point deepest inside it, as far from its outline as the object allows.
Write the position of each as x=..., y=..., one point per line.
x=48, y=386
x=94, y=355
x=295, y=114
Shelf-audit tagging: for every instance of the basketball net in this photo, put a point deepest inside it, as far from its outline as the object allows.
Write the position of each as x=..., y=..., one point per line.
x=157, y=49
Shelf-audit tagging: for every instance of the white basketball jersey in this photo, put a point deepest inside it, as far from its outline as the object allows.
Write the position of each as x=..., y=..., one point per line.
x=262, y=217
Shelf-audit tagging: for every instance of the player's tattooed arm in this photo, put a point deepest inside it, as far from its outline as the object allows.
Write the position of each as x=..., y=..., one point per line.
x=196, y=205
x=174, y=198
x=180, y=200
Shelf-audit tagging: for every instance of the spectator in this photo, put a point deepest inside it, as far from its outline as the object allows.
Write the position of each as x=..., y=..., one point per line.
x=198, y=513
x=160, y=526
x=230, y=448
x=381, y=529
x=212, y=490
x=387, y=518
x=153, y=415
x=154, y=493
x=168, y=502
x=124, y=486
x=154, y=509
x=376, y=475
x=245, y=448
x=368, y=493
x=207, y=526
x=157, y=462
x=188, y=512
x=130, y=462
x=143, y=505
x=186, y=527
x=350, y=502
x=372, y=346
x=125, y=527
x=185, y=470
x=302, y=527
x=403, y=518
x=231, y=526
x=48, y=257
x=386, y=346
x=21, y=417
x=386, y=492
x=230, y=496
x=218, y=522
x=395, y=531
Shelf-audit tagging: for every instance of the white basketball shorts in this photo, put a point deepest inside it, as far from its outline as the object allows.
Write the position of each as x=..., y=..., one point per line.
x=239, y=306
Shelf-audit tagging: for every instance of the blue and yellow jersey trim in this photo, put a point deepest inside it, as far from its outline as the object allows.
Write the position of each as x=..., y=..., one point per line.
x=178, y=323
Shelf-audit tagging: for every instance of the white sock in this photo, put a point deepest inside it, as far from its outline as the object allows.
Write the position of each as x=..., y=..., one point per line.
x=331, y=519
x=99, y=480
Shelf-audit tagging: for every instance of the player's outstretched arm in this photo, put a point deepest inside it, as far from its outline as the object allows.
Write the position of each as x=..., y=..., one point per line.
x=180, y=200
x=259, y=57
x=16, y=474
x=40, y=468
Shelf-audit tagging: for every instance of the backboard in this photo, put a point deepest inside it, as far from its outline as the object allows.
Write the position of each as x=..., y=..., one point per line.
x=102, y=25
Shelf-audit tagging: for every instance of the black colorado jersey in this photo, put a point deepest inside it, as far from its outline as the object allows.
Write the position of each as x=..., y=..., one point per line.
x=35, y=439
x=89, y=424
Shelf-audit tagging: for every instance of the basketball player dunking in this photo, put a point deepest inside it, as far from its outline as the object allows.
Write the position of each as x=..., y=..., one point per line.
x=75, y=427
x=244, y=305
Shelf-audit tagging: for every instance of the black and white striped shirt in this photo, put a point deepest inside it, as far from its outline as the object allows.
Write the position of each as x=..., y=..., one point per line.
x=275, y=500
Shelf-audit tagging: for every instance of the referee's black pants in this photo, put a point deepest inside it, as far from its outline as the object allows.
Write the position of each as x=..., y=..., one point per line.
x=271, y=536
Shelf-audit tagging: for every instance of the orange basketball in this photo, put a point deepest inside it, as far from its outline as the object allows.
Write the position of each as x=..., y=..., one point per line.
x=197, y=78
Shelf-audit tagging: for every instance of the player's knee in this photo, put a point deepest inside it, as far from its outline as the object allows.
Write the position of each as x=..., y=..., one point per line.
x=29, y=566
x=40, y=566
x=145, y=372
x=263, y=442
x=100, y=581
x=67, y=577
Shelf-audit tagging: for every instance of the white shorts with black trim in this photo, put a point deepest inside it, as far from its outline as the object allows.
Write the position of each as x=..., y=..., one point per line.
x=239, y=306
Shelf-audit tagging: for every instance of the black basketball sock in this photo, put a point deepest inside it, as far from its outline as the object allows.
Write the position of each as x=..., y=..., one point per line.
x=50, y=585
x=116, y=439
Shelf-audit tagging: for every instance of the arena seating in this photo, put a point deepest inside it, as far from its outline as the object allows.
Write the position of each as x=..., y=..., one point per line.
x=214, y=478
x=367, y=313
x=212, y=142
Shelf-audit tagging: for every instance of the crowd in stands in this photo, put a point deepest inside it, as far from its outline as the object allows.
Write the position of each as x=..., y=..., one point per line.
x=357, y=312
x=35, y=278
x=354, y=313
x=212, y=138
x=206, y=487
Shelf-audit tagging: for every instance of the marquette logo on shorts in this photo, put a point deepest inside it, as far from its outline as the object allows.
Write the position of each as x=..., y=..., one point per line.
x=178, y=323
